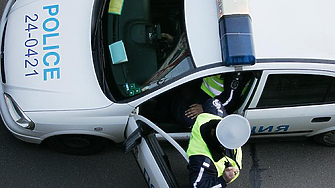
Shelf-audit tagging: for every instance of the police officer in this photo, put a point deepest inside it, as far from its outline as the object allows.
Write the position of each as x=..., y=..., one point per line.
x=227, y=88
x=214, y=149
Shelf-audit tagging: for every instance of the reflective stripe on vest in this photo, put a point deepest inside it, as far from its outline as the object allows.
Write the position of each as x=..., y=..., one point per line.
x=197, y=145
x=213, y=85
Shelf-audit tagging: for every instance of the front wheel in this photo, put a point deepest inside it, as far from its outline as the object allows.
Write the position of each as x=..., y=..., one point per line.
x=78, y=144
x=327, y=138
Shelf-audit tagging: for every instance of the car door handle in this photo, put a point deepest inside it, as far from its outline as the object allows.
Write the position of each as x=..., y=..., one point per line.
x=321, y=119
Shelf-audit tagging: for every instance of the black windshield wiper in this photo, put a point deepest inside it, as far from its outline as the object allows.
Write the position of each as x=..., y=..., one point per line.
x=98, y=13
x=97, y=42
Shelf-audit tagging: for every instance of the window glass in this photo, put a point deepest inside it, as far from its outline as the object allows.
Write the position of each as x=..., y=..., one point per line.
x=296, y=89
x=331, y=94
x=143, y=46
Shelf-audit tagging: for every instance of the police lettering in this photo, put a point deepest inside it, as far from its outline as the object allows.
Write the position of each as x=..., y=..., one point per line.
x=269, y=129
x=51, y=58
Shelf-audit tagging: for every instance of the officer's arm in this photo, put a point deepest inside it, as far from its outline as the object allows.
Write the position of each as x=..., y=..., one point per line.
x=209, y=137
x=224, y=96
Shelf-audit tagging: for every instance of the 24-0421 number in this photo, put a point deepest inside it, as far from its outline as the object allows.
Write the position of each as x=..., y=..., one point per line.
x=30, y=62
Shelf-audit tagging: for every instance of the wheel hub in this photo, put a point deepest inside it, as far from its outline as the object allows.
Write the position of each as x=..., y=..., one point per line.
x=329, y=137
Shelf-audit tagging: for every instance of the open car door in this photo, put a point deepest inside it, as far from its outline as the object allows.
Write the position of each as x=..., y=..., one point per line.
x=152, y=160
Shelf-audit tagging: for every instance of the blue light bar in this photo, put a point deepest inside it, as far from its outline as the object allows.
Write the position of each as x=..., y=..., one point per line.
x=236, y=40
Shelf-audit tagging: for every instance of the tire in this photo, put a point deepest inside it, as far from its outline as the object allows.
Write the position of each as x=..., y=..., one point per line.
x=327, y=138
x=78, y=144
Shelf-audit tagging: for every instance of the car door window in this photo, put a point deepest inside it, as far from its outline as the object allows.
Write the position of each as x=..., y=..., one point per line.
x=296, y=89
x=331, y=95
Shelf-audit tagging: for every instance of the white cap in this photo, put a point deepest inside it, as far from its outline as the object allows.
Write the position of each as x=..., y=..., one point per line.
x=233, y=131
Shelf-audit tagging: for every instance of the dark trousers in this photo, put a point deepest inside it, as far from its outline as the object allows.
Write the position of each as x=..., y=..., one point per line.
x=203, y=173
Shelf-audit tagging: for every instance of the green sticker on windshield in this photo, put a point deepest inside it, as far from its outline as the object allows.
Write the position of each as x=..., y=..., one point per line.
x=132, y=89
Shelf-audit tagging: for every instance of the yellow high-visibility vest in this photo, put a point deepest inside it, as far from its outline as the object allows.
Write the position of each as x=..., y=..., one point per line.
x=212, y=85
x=197, y=146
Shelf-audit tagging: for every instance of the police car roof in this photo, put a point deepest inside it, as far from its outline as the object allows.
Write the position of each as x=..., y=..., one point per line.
x=293, y=29
x=202, y=28
x=281, y=29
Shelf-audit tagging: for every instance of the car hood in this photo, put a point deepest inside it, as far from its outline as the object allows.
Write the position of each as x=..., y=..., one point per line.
x=47, y=56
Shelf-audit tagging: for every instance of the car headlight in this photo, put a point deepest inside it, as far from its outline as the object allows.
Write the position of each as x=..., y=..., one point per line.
x=17, y=114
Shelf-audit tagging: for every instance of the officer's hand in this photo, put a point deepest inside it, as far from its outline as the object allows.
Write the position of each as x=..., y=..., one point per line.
x=194, y=111
x=229, y=174
x=167, y=38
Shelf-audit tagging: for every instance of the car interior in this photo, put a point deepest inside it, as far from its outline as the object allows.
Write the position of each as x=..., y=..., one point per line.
x=160, y=109
x=140, y=27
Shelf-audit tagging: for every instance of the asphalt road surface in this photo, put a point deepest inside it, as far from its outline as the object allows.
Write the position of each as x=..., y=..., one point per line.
x=265, y=164
x=279, y=164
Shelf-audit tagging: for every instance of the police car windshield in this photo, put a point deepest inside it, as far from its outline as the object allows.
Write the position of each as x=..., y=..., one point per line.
x=144, y=45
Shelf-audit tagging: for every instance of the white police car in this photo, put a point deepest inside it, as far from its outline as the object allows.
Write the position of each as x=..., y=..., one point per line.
x=61, y=86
